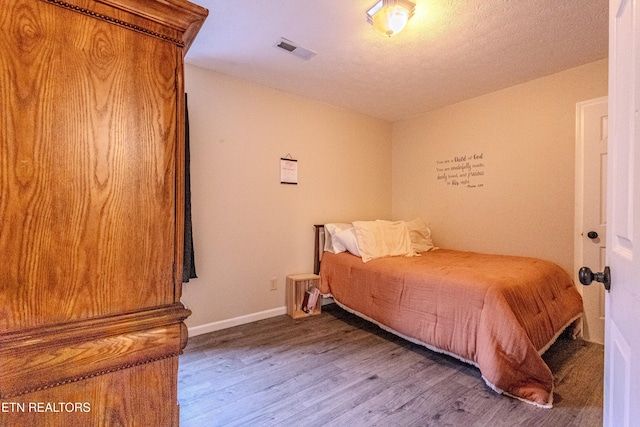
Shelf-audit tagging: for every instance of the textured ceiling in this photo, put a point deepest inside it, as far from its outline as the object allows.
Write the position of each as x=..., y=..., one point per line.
x=451, y=50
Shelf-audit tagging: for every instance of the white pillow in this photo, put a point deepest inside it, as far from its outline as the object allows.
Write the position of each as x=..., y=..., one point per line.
x=379, y=238
x=420, y=235
x=329, y=231
x=347, y=239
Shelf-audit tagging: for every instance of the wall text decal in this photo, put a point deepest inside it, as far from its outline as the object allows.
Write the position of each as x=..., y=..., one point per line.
x=462, y=171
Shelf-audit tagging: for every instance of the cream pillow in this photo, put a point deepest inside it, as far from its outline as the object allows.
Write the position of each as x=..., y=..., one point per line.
x=379, y=238
x=420, y=236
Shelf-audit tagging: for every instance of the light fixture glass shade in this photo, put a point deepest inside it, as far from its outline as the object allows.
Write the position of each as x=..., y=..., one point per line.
x=389, y=17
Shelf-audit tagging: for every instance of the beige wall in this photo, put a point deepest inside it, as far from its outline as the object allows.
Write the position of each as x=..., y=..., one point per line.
x=526, y=135
x=248, y=227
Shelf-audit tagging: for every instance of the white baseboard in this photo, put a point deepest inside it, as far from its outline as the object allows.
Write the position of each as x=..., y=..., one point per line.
x=236, y=321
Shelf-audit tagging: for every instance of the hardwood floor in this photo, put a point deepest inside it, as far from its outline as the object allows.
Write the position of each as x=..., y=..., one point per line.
x=338, y=370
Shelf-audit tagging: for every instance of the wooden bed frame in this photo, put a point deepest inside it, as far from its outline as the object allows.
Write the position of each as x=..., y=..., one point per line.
x=318, y=247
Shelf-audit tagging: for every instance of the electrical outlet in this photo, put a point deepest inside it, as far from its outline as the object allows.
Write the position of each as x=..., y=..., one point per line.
x=274, y=284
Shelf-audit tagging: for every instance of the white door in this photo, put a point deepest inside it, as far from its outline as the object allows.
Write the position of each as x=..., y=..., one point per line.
x=591, y=197
x=622, y=334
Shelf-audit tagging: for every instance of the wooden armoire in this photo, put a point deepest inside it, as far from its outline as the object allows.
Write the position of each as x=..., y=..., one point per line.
x=92, y=210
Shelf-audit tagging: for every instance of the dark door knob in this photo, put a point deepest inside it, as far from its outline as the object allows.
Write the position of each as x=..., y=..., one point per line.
x=592, y=235
x=587, y=276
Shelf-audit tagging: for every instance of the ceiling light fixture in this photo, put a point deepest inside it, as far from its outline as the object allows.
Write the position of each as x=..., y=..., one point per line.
x=389, y=17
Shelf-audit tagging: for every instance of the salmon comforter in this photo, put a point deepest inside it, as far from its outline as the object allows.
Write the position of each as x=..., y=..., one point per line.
x=499, y=313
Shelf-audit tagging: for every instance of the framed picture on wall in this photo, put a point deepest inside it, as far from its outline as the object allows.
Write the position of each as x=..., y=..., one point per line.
x=288, y=171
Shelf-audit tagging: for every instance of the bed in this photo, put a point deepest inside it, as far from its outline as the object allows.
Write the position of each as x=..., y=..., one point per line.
x=499, y=313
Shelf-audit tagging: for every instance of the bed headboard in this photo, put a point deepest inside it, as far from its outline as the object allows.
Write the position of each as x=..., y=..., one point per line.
x=318, y=247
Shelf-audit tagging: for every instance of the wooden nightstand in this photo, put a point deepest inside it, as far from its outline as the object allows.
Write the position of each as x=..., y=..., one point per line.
x=297, y=285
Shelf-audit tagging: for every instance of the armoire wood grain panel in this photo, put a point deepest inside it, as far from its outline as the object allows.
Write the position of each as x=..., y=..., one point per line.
x=106, y=400
x=98, y=201
x=91, y=196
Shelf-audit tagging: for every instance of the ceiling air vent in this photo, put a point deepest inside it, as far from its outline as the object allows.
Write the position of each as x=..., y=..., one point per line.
x=294, y=49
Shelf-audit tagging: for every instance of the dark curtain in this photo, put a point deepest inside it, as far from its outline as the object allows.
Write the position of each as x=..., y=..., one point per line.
x=188, y=265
